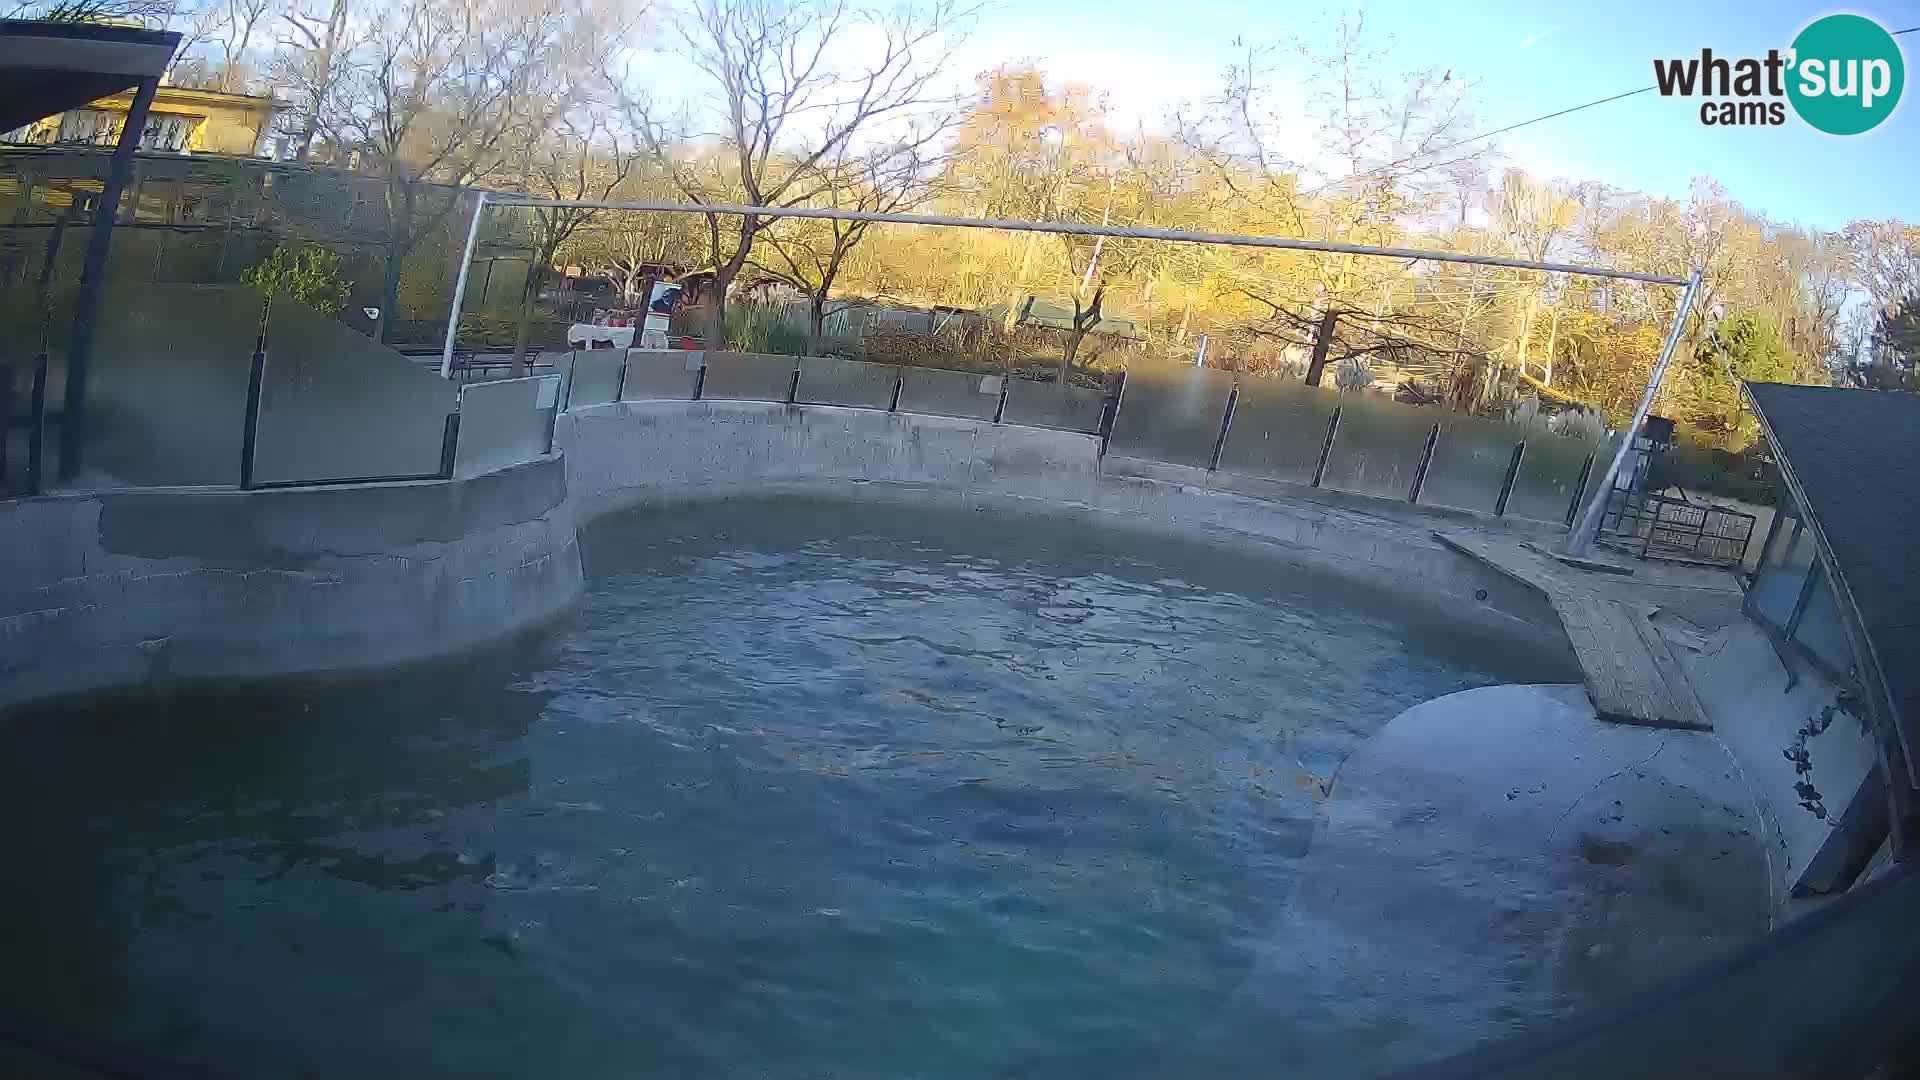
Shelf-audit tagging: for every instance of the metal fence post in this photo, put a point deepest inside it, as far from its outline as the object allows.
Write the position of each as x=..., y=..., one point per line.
x=620, y=383
x=1000, y=406
x=250, y=426
x=899, y=382
x=793, y=384
x=1226, y=424
x=6, y=417
x=37, y=419
x=1326, y=447
x=1426, y=462
x=450, y=444
x=1110, y=406
x=1579, y=491
x=1513, y=473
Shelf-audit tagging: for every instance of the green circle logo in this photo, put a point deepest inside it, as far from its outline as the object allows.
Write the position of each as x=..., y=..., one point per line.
x=1847, y=74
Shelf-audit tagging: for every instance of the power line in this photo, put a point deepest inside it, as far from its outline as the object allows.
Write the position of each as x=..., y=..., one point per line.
x=1477, y=138
x=1503, y=131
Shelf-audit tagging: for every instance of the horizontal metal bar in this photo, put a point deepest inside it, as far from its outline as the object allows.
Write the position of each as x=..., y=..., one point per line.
x=339, y=481
x=1070, y=228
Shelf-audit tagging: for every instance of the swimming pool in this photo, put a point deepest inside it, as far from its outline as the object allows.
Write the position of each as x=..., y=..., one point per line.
x=807, y=789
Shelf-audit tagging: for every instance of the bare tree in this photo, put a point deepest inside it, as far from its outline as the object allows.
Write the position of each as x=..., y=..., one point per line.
x=151, y=13
x=309, y=61
x=1370, y=157
x=1885, y=257
x=889, y=179
x=433, y=95
x=791, y=85
x=583, y=158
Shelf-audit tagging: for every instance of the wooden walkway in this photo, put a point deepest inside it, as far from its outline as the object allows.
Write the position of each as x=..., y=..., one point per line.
x=1630, y=674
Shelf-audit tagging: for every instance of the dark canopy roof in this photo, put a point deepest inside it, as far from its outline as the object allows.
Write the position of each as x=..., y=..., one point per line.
x=46, y=68
x=1853, y=458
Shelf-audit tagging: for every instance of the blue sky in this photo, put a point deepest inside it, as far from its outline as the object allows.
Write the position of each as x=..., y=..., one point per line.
x=1528, y=59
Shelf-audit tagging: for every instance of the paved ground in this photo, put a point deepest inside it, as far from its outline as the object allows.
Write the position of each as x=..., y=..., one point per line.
x=1504, y=839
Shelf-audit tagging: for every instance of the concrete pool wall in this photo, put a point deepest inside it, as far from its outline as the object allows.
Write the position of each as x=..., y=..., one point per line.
x=636, y=454
x=119, y=588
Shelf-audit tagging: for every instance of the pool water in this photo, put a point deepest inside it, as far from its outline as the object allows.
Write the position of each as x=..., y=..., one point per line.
x=805, y=790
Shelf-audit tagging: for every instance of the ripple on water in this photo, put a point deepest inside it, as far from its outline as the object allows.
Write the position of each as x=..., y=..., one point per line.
x=807, y=790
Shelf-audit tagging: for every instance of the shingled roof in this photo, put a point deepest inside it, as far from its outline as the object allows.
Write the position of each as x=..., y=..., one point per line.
x=1853, y=459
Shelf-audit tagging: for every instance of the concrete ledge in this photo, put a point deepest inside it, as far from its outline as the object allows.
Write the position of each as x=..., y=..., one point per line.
x=121, y=588
x=1503, y=839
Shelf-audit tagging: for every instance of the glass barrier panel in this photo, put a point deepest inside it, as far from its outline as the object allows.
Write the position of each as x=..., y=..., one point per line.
x=1543, y=488
x=1378, y=446
x=733, y=376
x=661, y=375
x=1279, y=428
x=829, y=380
x=504, y=423
x=1821, y=632
x=167, y=388
x=596, y=377
x=939, y=392
x=1469, y=463
x=1776, y=589
x=1048, y=405
x=338, y=405
x=1172, y=414
x=1827, y=994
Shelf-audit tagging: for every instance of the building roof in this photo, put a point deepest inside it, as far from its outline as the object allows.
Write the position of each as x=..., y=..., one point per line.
x=48, y=67
x=1852, y=458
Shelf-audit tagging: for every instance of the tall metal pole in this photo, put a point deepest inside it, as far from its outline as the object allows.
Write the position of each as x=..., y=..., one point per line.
x=1580, y=538
x=460, y=285
x=93, y=272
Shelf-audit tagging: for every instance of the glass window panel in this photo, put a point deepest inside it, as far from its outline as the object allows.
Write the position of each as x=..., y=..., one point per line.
x=828, y=380
x=596, y=377
x=1279, y=428
x=938, y=392
x=1172, y=414
x=503, y=423
x=1776, y=589
x=1821, y=632
x=338, y=405
x=1469, y=463
x=657, y=375
x=1549, y=473
x=1377, y=447
x=735, y=376
x=1049, y=405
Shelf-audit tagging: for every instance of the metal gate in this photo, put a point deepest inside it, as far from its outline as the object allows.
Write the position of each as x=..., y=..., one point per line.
x=1676, y=530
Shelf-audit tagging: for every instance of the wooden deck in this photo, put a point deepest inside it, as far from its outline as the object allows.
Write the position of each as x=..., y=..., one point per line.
x=1630, y=674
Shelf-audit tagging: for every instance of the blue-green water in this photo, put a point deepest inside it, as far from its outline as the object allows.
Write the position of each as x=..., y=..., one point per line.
x=806, y=790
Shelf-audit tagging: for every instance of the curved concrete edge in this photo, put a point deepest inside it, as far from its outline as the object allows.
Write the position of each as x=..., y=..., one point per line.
x=119, y=588
x=1507, y=840
x=114, y=589
x=634, y=455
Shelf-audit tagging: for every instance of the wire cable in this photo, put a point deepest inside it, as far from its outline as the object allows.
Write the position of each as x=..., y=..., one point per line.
x=1502, y=131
